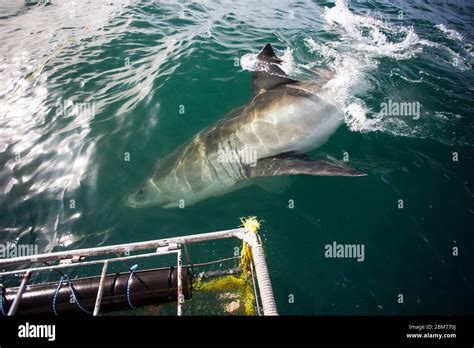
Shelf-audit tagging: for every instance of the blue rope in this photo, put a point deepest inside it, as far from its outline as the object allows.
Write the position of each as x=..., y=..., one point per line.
x=2, y=301
x=73, y=293
x=56, y=296
x=129, y=283
x=75, y=298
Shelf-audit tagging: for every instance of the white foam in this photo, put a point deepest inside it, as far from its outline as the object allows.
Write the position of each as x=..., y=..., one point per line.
x=446, y=116
x=369, y=35
x=288, y=62
x=450, y=33
x=325, y=51
x=364, y=40
x=249, y=61
x=355, y=116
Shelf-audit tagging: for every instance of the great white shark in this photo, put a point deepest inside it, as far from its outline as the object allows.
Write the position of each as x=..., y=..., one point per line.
x=266, y=137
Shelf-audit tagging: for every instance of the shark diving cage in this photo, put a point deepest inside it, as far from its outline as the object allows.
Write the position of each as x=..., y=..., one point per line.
x=127, y=290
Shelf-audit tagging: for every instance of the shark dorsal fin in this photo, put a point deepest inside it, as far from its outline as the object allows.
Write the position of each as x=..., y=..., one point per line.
x=268, y=54
x=268, y=73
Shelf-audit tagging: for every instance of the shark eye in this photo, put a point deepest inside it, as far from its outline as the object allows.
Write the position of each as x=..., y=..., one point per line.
x=140, y=192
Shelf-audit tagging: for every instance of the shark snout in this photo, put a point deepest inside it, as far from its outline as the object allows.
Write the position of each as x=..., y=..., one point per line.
x=128, y=201
x=144, y=196
x=135, y=198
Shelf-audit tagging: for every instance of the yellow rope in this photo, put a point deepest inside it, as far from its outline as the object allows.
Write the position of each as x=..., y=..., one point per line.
x=252, y=224
x=241, y=285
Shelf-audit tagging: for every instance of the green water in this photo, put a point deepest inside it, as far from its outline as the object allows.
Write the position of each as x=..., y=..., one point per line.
x=136, y=63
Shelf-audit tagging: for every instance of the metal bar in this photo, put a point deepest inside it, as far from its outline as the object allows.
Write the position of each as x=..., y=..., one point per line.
x=163, y=247
x=263, y=276
x=185, y=246
x=98, y=300
x=87, y=263
x=121, y=248
x=180, y=284
x=19, y=294
x=213, y=262
x=255, y=288
x=264, y=283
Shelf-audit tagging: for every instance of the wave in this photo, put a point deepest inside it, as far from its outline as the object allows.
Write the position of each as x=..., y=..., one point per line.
x=46, y=149
x=450, y=33
x=364, y=42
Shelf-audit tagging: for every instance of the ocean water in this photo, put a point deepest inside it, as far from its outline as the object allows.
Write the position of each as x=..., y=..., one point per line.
x=90, y=98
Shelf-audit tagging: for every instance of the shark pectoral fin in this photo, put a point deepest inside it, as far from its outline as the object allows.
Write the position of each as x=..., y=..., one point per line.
x=274, y=166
